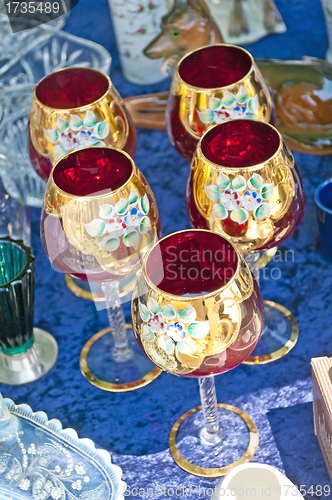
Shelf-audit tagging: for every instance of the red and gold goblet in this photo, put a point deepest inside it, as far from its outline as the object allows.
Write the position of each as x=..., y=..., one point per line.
x=71, y=109
x=244, y=184
x=99, y=219
x=74, y=108
x=211, y=85
x=197, y=312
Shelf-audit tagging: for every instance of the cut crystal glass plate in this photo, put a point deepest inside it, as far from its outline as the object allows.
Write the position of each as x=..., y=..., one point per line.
x=49, y=52
x=41, y=460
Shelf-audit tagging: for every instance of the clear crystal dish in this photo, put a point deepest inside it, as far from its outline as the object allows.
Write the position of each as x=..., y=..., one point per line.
x=49, y=51
x=41, y=460
x=13, y=143
x=12, y=43
x=16, y=88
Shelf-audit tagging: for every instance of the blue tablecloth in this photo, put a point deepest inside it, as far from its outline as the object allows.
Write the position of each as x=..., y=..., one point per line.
x=135, y=426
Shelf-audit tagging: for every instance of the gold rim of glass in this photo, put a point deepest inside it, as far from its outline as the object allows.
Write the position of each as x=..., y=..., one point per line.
x=245, y=169
x=213, y=89
x=214, y=471
x=183, y=298
x=105, y=192
x=68, y=110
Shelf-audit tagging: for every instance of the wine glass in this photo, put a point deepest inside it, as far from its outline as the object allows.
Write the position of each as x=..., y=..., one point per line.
x=197, y=312
x=211, y=85
x=74, y=108
x=98, y=220
x=26, y=353
x=245, y=184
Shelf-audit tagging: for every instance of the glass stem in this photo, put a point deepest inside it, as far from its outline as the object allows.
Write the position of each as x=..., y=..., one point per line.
x=207, y=390
x=252, y=260
x=121, y=350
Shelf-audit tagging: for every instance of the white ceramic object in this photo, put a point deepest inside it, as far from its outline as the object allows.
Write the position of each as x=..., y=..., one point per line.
x=136, y=23
x=327, y=9
x=253, y=12
x=258, y=481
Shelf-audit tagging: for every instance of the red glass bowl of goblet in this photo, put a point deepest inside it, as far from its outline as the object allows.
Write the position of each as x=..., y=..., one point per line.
x=197, y=312
x=74, y=108
x=211, y=85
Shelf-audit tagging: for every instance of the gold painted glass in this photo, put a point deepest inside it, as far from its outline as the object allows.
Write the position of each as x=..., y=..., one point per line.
x=197, y=312
x=99, y=219
x=108, y=229
x=211, y=85
x=244, y=184
x=74, y=108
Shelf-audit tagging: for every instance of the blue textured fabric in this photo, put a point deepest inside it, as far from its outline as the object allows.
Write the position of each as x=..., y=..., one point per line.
x=135, y=426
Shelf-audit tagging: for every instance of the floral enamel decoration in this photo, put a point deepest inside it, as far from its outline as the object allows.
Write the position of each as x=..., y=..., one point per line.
x=229, y=107
x=76, y=133
x=126, y=221
x=175, y=331
x=238, y=199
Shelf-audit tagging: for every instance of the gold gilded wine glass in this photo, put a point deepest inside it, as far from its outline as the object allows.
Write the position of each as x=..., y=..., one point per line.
x=245, y=184
x=99, y=219
x=211, y=85
x=197, y=312
x=74, y=108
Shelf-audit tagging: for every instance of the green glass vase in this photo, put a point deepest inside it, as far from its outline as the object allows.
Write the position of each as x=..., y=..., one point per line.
x=26, y=353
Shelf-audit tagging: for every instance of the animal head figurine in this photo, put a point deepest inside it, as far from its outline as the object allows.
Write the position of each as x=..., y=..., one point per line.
x=186, y=27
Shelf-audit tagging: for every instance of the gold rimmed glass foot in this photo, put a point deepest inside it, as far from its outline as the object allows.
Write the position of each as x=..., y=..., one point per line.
x=235, y=444
x=101, y=369
x=31, y=364
x=92, y=291
x=279, y=335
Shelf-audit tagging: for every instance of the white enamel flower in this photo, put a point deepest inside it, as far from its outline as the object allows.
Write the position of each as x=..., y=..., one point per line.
x=157, y=325
x=115, y=227
x=250, y=200
x=86, y=138
x=229, y=199
x=176, y=331
x=69, y=141
x=133, y=218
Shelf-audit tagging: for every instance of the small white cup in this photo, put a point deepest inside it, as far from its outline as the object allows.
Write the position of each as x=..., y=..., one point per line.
x=258, y=481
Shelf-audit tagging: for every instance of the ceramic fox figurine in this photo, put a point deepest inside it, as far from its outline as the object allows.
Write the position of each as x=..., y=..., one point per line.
x=186, y=27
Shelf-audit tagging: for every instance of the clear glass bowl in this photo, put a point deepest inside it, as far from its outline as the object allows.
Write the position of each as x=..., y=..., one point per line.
x=13, y=140
x=13, y=43
x=18, y=76
x=50, y=51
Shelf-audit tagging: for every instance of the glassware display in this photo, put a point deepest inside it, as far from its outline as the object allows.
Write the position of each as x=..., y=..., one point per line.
x=14, y=214
x=245, y=185
x=197, y=312
x=211, y=85
x=26, y=58
x=13, y=140
x=41, y=460
x=74, y=108
x=99, y=219
x=26, y=353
